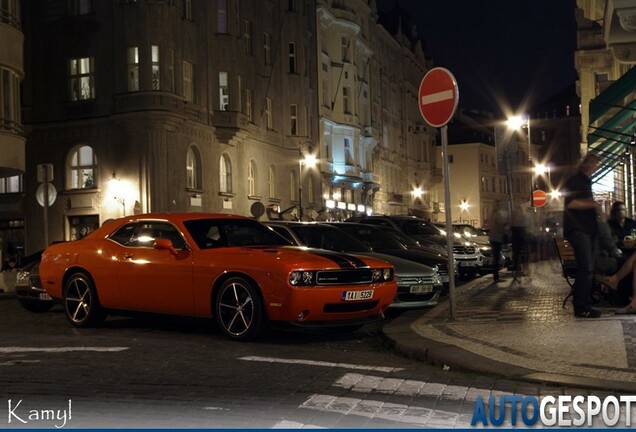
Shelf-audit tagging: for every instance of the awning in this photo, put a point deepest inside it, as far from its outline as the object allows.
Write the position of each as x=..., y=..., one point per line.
x=611, y=139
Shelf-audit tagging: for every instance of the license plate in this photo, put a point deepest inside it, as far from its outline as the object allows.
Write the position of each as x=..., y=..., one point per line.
x=357, y=295
x=45, y=296
x=421, y=289
x=445, y=278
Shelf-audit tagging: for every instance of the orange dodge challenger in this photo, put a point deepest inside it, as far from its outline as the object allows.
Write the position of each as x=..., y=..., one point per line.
x=228, y=267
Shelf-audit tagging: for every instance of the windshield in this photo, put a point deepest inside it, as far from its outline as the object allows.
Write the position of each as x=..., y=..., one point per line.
x=326, y=237
x=469, y=231
x=373, y=237
x=216, y=233
x=416, y=227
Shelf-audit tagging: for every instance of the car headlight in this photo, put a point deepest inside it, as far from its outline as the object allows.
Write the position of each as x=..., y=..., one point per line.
x=301, y=277
x=382, y=275
x=22, y=276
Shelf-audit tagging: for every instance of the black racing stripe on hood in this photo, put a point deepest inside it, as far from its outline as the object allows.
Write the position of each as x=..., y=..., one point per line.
x=343, y=260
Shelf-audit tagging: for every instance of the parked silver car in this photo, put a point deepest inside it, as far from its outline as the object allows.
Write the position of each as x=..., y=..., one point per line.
x=418, y=284
x=28, y=286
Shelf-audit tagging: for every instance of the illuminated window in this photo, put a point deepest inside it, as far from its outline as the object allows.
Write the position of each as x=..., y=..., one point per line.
x=225, y=174
x=221, y=16
x=251, y=178
x=133, y=69
x=83, y=167
x=224, y=92
x=82, y=78
x=193, y=172
x=156, y=75
x=271, y=182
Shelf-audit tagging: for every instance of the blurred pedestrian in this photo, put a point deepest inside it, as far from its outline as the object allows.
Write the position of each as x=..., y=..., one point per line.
x=519, y=231
x=580, y=227
x=499, y=223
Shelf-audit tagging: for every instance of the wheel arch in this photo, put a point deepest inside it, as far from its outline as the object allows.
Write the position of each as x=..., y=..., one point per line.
x=221, y=280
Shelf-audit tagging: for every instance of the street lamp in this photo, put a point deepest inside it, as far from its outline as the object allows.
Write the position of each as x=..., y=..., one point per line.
x=517, y=123
x=309, y=160
x=117, y=188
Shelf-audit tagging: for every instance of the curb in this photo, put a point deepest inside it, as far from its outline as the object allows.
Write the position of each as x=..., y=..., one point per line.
x=405, y=341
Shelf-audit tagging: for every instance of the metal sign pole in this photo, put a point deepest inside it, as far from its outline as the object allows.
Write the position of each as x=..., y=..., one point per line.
x=449, y=225
x=46, y=206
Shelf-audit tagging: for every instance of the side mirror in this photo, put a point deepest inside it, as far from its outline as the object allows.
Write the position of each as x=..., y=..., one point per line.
x=165, y=244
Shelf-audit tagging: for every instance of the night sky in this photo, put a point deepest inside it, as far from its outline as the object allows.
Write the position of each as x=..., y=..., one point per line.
x=507, y=55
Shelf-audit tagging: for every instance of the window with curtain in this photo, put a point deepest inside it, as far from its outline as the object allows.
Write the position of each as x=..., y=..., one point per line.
x=82, y=168
x=193, y=164
x=271, y=181
x=225, y=174
x=251, y=178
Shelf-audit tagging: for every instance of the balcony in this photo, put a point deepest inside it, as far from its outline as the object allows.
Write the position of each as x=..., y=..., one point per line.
x=229, y=124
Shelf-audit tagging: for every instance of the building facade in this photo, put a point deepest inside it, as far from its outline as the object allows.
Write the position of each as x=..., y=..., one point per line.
x=12, y=140
x=197, y=105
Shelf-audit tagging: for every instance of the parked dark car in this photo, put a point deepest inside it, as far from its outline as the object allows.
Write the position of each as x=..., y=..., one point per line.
x=28, y=286
x=380, y=241
x=467, y=256
x=418, y=284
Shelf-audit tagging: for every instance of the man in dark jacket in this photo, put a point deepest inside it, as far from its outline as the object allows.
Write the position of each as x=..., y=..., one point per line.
x=580, y=228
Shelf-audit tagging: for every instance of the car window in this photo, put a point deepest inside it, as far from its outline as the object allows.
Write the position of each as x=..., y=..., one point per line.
x=416, y=227
x=325, y=237
x=216, y=233
x=373, y=237
x=144, y=234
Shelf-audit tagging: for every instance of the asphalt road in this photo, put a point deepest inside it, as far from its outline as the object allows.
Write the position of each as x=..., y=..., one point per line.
x=158, y=372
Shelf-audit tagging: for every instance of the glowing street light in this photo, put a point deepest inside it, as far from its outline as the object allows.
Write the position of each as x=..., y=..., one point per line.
x=309, y=161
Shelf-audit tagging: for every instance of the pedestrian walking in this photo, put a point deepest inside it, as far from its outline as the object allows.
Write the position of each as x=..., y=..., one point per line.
x=580, y=227
x=519, y=232
x=499, y=233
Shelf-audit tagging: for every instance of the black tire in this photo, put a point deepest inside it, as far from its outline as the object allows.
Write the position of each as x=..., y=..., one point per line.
x=81, y=303
x=36, y=306
x=239, y=310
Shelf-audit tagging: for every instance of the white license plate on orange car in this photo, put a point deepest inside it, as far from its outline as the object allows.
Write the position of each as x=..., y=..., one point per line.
x=357, y=295
x=45, y=296
x=421, y=289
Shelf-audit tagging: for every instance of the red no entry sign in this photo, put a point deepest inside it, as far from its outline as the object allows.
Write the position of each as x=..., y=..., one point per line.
x=539, y=198
x=438, y=96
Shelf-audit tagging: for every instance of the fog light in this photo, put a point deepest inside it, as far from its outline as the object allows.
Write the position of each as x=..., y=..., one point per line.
x=303, y=315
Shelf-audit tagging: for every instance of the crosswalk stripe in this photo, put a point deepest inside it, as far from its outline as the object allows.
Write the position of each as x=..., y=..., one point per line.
x=321, y=364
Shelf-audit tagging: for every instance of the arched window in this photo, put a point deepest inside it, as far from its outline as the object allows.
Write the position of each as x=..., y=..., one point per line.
x=225, y=174
x=293, y=186
x=251, y=178
x=193, y=168
x=82, y=168
x=271, y=181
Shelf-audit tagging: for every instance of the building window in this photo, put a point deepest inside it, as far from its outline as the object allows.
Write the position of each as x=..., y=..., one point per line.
x=239, y=85
x=293, y=187
x=221, y=16
x=248, y=105
x=225, y=174
x=11, y=184
x=267, y=48
x=247, y=36
x=10, y=13
x=346, y=103
x=188, y=84
x=82, y=78
x=292, y=58
x=80, y=7
x=187, y=9
x=171, y=76
x=193, y=164
x=291, y=6
x=344, y=48
x=268, y=113
x=10, y=102
x=325, y=92
x=348, y=152
x=271, y=182
x=251, y=178
x=133, y=69
x=156, y=74
x=82, y=168
x=224, y=92
x=293, y=120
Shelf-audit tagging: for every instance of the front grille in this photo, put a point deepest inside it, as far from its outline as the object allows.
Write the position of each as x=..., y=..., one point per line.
x=349, y=307
x=466, y=250
x=407, y=297
x=343, y=277
x=416, y=280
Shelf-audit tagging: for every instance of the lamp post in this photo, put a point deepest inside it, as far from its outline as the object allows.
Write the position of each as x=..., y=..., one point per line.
x=516, y=123
x=309, y=161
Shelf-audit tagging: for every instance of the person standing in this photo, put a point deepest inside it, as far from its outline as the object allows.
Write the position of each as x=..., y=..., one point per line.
x=499, y=223
x=580, y=227
x=519, y=232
